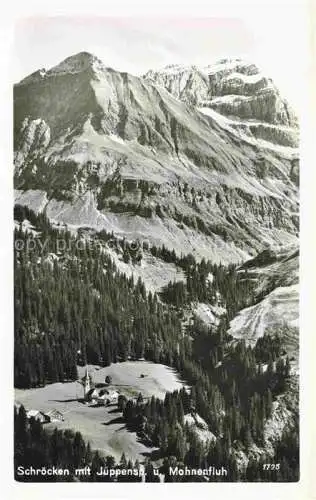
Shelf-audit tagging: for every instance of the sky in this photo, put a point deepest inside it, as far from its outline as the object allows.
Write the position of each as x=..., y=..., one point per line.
x=267, y=37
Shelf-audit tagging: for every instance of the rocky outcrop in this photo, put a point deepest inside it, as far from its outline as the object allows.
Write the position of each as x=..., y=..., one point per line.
x=234, y=88
x=32, y=137
x=274, y=274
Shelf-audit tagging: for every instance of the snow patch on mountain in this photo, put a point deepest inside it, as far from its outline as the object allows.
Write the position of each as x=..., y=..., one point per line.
x=231, y=64
x=245, y=78
x=242, y=129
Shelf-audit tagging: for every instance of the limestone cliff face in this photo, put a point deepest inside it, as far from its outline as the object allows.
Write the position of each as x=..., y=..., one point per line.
x=120, y=152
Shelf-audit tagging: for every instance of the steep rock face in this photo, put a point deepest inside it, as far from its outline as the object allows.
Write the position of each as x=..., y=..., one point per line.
x=33, y=136
x=275, y=275
x=233, y=88
x=118, y=152
x=272, y=268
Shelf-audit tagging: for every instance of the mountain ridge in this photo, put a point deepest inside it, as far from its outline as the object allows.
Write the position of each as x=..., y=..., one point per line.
x=150, y=164
x=228, y=86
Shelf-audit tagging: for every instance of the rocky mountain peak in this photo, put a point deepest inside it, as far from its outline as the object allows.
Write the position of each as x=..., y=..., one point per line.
x=77, y=63
x=234, y=87
x=232, y=64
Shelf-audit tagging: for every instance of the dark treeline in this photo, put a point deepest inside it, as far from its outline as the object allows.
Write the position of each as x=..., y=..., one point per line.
x=74, y=306
x=232, y=375
x=237, y=409
x=223, y=288
x=164, y=424
x=285, y=460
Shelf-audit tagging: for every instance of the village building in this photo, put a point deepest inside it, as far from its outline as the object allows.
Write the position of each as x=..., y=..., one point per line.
x=98, y=395
x=108, y=396
x=37, y=415
x=102, y=396
x=91, y=394
x=54, y=416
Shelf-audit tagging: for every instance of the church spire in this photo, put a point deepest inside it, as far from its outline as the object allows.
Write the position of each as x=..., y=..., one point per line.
x=86, y=382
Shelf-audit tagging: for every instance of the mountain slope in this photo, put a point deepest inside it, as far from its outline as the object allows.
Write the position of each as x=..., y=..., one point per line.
x=275, y=274
x=99, y=148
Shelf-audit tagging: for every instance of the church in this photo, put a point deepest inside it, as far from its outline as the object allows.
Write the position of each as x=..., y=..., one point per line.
x=97, y=395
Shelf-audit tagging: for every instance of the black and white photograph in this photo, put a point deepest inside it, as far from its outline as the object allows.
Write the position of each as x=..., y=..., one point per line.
x=156, y=250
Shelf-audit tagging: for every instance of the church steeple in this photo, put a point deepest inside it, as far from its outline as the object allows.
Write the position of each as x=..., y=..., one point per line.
x=86, y=383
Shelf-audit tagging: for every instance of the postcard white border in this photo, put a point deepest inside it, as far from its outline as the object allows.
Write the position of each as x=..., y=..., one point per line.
x=305, y=488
